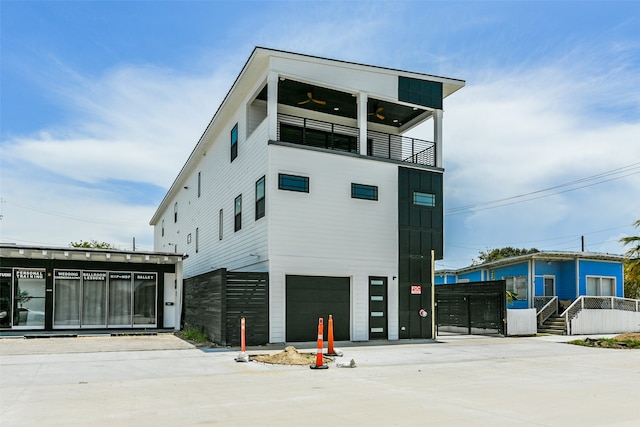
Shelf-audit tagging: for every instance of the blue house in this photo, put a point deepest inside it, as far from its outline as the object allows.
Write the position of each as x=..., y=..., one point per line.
x=569, y=293
x=567, y=275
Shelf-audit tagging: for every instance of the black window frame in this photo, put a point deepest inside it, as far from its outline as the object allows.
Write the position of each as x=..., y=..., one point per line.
x=237, y=213
x=418, y=194
x=260, y=201
x=234, y=142
x=364, y=191
x=220, y=224
x=289, y=182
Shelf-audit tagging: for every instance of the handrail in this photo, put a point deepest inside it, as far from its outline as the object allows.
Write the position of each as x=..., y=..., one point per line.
x=333, y=136
x=598, y=303
x=549, y=309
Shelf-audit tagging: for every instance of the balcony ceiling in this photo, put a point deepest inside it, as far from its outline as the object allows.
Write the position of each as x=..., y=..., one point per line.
x=329, y=101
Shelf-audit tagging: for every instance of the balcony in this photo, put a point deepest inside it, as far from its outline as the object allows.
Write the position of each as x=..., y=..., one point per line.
x=332, y=136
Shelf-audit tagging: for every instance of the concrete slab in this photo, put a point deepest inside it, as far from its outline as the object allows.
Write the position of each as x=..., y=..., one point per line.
x=453, y=381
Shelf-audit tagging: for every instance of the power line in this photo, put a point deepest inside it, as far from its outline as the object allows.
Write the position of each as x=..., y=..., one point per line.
x=628, y=170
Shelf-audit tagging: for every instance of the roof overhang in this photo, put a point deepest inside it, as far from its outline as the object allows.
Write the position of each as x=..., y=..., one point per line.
x=88, y=254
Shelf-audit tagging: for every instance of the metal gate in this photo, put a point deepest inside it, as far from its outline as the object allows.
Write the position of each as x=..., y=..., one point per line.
x=476, y=308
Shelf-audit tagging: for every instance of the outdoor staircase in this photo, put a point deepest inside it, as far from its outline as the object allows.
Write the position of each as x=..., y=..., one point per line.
x=554, y=325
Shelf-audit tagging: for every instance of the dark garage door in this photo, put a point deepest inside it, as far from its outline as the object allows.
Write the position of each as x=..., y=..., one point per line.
x=312, y=297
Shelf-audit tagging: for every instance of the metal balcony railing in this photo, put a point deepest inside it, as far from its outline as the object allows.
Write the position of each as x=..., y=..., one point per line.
x=332, y=136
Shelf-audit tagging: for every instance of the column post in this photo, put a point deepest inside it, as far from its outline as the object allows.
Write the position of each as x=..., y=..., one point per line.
x=437, y=136
x=272, y=105
x=362, y=100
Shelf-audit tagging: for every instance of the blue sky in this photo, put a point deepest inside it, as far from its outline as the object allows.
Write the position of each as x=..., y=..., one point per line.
x=102, y=102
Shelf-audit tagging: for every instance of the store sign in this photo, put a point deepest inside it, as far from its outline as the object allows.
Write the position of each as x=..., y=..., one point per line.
x=416, y=289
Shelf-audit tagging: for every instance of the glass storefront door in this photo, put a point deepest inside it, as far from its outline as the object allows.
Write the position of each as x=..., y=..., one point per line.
x=28, y=298
x=5, y=298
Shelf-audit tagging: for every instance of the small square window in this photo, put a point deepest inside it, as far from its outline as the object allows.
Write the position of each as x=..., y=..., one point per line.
x=293, y=183
x=362, y=191
x=424, y=199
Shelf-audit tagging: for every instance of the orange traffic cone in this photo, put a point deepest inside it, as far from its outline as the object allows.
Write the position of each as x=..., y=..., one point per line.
x=330, y=349
x=319, y=364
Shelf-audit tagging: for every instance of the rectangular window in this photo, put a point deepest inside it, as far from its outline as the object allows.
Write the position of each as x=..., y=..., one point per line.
x=197, y=242
x=260, y=198
x=362, y=191
x=234, y=142
x=424, y=199
x=199, y=183
x=293, y=183
x=220, y=225
x=601, y=286
x=175, y=212
x=518, y=285
x=237, y=213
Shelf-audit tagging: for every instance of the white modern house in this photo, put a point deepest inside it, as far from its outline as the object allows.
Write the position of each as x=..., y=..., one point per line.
x=305, y=174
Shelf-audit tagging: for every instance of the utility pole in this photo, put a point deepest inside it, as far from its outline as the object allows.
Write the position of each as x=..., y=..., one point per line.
x=582, y=239
x=134, y=244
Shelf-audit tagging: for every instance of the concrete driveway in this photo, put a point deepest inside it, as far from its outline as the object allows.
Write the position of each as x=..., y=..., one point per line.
x=162, y=381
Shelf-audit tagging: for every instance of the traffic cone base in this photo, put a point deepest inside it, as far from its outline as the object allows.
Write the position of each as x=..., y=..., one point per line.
x=319, y=359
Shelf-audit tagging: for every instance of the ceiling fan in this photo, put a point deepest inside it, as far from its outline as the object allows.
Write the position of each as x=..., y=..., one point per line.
x=378, y=113
x=311, y=99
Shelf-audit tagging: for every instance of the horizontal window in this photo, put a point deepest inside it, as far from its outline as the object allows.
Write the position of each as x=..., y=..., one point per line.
x=361, y=191
x=293, y=183
x=424, y=199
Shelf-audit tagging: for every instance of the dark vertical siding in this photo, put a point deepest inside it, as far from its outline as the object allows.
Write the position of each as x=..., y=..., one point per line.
x=420, y=231
x=215, y=302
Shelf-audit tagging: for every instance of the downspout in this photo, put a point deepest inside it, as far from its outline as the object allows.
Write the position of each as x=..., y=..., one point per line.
x=577, y=279
x=532, y=282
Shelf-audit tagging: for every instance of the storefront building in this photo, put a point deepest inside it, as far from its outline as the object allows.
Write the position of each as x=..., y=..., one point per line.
x=46, y=288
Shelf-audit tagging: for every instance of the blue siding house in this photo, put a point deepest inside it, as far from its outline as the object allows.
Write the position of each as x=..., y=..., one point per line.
x=567, y=275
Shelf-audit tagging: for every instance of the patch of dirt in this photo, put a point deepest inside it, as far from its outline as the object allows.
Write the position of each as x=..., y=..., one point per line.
x=628, y=336
x=290, y=356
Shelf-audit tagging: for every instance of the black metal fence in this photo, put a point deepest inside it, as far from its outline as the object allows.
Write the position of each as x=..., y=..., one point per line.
x=476, y=308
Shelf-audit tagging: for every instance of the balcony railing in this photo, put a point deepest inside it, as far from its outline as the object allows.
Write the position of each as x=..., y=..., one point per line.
x=332, y=136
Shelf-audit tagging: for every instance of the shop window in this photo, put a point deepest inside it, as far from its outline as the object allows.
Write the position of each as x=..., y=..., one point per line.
x=260, y=199
x=362, y=191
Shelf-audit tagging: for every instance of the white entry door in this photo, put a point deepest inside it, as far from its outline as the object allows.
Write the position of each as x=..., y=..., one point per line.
x=169, y=301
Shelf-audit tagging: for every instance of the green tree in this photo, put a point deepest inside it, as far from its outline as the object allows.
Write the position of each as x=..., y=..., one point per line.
x=94, y=244
x=496, y=254
x=632, y=265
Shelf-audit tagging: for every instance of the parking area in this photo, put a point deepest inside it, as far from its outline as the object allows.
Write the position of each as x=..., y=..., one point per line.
x=456, y=380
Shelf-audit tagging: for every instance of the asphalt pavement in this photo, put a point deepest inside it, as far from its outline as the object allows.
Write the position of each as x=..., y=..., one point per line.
x=454, y=380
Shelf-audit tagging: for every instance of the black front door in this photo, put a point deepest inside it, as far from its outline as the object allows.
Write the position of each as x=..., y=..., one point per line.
x=378, y=308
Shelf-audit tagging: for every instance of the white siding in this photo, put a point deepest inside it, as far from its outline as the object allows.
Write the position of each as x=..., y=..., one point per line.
x=326, y=232
x=222, y=182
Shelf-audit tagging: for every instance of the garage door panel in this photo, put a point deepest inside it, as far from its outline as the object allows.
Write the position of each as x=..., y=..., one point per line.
x=311, y=297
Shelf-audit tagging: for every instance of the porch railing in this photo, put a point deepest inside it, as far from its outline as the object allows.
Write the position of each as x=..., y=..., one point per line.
x=316, y=133
x=547, y=310
x=598, y=303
